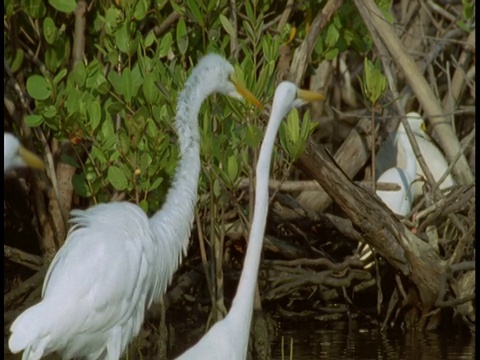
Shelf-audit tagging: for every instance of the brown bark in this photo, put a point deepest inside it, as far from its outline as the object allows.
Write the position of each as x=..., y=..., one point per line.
x=351, y=157
x=412, y=257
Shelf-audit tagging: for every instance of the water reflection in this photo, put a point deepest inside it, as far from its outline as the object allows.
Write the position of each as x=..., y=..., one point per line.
x=340, y=341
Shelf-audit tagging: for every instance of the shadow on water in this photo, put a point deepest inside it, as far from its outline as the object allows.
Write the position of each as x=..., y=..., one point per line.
x=339, y=341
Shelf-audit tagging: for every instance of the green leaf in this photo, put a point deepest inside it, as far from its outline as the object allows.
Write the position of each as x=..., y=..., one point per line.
x=144, y=205
x=195, y=10
x=65, y=6
x=177, y=7
x=107, y=130
x=116, y=81
x=227, y=25
x=290, y=134
x=150, y=90
x=80, y=185
x=117, y=178
x=468, y=9
x=38, y=87
x=182, y=36
x=294, y=136
x=50, y=111
x=464, y=26
x=79, y=74
x=165, y=45
x=145, y=161
x=95, y=114
x=137, y=80
x=72, y=103
x=17, y=60
x=49, y=30
x=330, y=54
x=123, y=39
x=140, y=10
x=69, y=160
x=36, y=9
x=8, y=8
x=33, y=120
x=149, y=39
x=60, y=76
x=332, y=35
x=156, y=183
x=51, y=59
x=113, y=17
x=374, y=82
x=217, y=189
x=127, y=84
x=253, y=136
x=232, y=168
x=97, y=154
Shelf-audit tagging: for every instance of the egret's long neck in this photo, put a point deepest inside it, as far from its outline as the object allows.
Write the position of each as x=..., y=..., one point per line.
x=173, y=222
x=411, y=160
x=242, y=306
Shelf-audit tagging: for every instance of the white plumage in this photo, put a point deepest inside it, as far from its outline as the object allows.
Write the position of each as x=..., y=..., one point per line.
x=115, y=261
x=228, y=338
x=400, y=201
x=404, y=168
x=16, y=156
x=390, y=155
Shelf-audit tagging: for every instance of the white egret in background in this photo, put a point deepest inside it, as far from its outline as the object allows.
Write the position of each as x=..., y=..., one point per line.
x=392, y=154
x=400, y=200
x=228, y=338
x=16, y=156
x=116, y=261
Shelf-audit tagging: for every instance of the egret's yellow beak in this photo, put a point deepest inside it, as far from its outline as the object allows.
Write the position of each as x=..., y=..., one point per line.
x=247, y=95
x=423, y=127
x=310, y=96
x=425, y=134
x=31, y=159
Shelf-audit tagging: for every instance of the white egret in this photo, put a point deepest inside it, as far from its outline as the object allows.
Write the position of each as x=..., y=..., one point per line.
x=228, y=338
x=391, y=154
x=399, y=201
x=16, y=156
x=115, y=261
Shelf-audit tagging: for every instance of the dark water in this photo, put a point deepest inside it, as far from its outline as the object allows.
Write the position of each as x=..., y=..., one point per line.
x=340, y=341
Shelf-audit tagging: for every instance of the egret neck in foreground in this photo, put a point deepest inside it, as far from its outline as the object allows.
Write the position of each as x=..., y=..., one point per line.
x=16, y=156
x=228, y=339
x=116, y=261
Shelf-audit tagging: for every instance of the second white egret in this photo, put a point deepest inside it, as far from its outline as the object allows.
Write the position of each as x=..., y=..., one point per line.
x=391, y=154
x=228, y=338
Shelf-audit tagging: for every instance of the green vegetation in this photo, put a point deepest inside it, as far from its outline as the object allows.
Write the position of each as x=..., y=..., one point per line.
x=114, y=100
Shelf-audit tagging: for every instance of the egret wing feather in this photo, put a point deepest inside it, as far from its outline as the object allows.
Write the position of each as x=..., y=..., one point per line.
x=103, y=268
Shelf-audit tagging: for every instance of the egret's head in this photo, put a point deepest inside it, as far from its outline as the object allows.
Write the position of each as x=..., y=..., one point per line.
x=222, y=78
x=417, y=124
x=289, y=96
x=15, y=155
